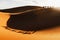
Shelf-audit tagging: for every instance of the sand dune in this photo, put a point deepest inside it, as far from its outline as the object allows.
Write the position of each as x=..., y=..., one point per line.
x=50, y=34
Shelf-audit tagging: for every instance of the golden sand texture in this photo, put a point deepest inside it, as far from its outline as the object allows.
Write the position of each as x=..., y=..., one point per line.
x=50, y=34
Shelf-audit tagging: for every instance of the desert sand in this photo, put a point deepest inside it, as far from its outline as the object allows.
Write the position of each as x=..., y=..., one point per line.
x=50, y=34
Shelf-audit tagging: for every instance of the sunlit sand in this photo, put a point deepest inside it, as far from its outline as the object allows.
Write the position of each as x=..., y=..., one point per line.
x=50, y=34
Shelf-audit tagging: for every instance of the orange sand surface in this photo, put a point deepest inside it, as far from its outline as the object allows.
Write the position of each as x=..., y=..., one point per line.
x=50, y=34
